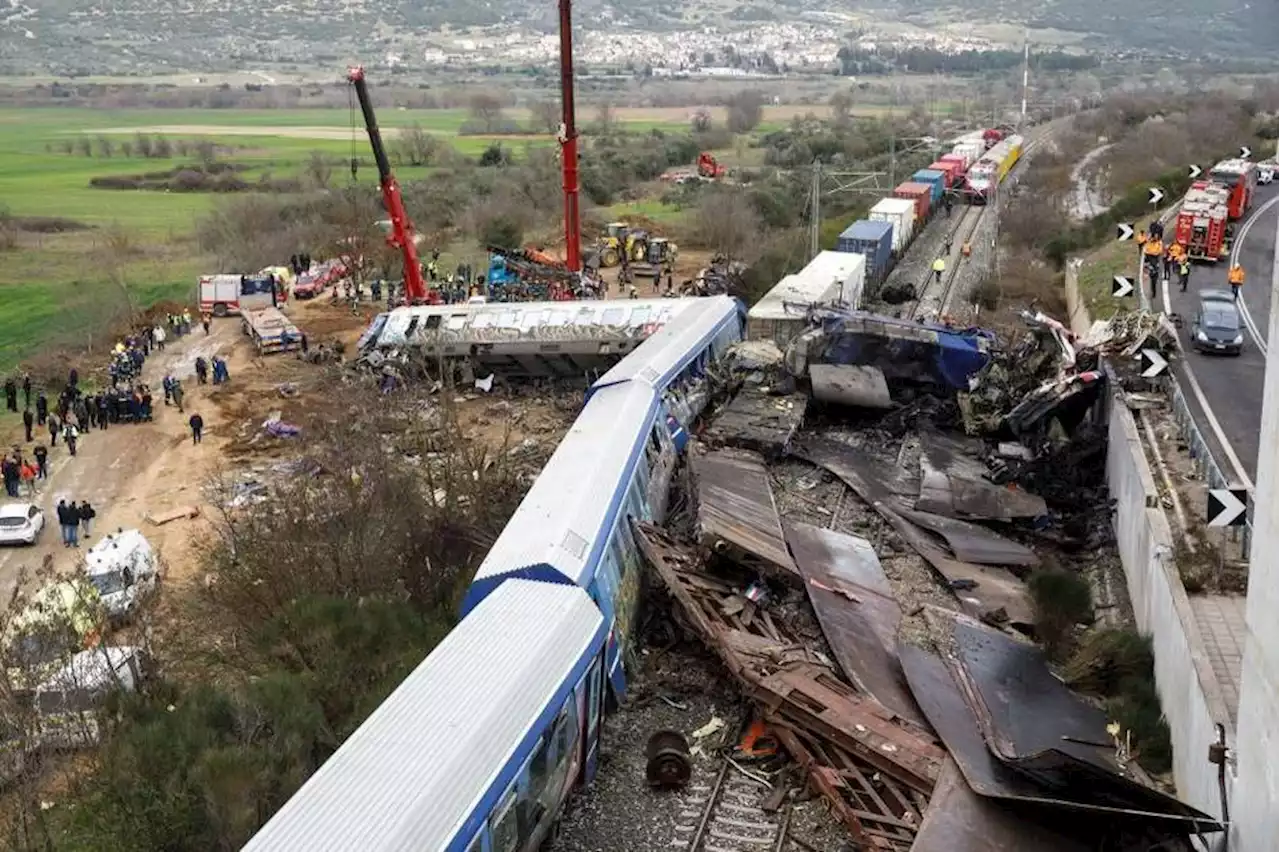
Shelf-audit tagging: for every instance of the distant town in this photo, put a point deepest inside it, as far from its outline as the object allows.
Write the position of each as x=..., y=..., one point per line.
x=775, y=48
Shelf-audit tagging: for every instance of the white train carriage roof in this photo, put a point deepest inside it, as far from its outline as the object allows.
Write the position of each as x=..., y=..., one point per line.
x=517, y=320
x=669, y=350
x=429, y=764
x=555, y=534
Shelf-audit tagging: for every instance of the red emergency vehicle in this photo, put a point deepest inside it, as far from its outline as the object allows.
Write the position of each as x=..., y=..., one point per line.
x=1202, y=222
x=1240, y=178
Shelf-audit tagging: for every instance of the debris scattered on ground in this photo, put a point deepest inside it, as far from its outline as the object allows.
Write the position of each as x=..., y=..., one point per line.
x=180, y=513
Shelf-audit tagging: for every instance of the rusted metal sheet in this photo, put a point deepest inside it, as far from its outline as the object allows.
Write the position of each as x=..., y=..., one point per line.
x=756, y=420
x=790, y=683
x=972, y=543
x=959, y=820
x=1102, y=808
x=858, y=612
x=988, y=592
x=736, y=510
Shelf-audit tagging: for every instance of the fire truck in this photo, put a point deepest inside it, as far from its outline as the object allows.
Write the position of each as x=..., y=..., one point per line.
x=1202, y=221
x=1240, y=178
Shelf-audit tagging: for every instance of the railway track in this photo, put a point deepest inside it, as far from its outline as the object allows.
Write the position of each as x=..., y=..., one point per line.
x=935, y=296
x=725, y=816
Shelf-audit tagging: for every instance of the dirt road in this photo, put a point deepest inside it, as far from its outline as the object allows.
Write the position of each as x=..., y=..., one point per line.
x=131, y=470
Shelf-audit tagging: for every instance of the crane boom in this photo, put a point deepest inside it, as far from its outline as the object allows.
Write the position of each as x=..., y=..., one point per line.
x=401, y=236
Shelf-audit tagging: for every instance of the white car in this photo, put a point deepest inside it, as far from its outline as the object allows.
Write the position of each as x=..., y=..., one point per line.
x=20, y=523
x=1266, y=172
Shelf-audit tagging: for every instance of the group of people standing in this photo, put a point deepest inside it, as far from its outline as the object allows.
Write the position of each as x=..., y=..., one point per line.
x=74, y=519
x=21, y=473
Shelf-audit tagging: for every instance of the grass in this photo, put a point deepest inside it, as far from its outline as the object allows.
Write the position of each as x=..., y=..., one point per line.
x=1098, y=270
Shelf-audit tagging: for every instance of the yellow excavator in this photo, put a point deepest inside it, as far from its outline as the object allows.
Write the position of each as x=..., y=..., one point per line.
x=611, y=245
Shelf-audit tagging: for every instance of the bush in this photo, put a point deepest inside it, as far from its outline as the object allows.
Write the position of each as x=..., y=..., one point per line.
x=1118, y=666
x=1062, y=600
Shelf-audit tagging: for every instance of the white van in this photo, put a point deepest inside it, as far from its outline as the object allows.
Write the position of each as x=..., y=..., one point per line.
x=122, y=566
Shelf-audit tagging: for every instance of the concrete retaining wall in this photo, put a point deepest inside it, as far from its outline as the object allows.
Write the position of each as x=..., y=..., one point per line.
x=1189, y=692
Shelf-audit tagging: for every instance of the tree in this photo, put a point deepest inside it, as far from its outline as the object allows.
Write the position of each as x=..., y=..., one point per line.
x=486, y=109
x=727, y=223
x=604, y=117
x=841, y=108
x=206, y=152
x=416, y=147
x=746, y=108
x=319, y=170
x=545, y=116
x=700, y=121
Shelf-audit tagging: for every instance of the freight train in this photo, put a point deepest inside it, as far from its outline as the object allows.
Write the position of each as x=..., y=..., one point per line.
x=480, y=747
x=977, y=163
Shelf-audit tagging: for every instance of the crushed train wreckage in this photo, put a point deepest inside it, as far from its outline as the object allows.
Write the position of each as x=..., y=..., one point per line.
x=925, y=728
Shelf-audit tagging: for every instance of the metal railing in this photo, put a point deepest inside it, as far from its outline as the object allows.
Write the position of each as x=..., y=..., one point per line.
x=1206, y=467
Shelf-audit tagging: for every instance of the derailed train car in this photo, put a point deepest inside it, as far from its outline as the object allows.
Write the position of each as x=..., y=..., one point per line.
x=479, y=748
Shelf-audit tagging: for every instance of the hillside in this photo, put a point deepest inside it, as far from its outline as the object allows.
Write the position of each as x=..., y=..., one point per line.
x=149, y=37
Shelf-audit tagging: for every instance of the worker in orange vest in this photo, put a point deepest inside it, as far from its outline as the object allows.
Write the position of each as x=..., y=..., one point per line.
x=1153, y=249
x=1140, y=238
x=1235, y=277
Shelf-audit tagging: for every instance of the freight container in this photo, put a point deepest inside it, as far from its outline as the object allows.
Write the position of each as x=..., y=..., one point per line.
x=872, y=240
x=937, y=179
x=952, y=167
x=921, y=194
x=971, y=151
x=831, y=277
x=901, y=214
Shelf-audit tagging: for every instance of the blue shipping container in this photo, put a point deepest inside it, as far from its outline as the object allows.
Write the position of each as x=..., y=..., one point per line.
x=935, y=179
x=872, y=240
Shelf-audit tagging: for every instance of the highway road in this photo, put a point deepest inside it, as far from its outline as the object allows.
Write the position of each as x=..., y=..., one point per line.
x=1226, y=392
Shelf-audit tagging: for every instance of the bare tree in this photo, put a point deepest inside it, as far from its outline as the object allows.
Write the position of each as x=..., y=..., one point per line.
x=207, y=152
x=605, y=118
x=746, y=108
x=700, y=121
x=85, y=146
x=727, y=223
x=545, y=115
x=319, y=170
x=105, y=148
x=486, y=109
x=416, y=147
x=841, y=108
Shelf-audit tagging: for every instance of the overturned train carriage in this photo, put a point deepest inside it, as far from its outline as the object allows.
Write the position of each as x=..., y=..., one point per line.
x=520, y=339
x=615, y=464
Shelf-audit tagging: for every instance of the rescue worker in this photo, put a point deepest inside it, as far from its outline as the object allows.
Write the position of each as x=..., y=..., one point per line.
x=28, y=422
x=1184, y=272
x=1235, y=277
x=946, y=247
x=1140, y=238
x=939, y=266
x=1153, y=249
x=197, y=427
x=965, y=250
x=947, y=202
x=1170, y=258
x=1157, y=230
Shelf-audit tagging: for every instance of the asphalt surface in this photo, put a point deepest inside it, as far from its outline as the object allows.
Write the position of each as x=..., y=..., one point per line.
x=1232, y=386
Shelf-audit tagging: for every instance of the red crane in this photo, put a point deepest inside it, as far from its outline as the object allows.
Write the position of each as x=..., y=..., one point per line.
x=569, y=143
x=401, y=236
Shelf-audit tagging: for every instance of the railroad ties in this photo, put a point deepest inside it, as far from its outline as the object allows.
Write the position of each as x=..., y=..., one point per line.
x=726, y=815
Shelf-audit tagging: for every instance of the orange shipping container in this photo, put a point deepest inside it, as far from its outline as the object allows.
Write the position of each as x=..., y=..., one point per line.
x=921, y=194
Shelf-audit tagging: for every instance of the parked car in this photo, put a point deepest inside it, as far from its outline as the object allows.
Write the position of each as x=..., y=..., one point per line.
x=20, y=523
x=122, y=567
x=1266, y=171
x=1217, y=326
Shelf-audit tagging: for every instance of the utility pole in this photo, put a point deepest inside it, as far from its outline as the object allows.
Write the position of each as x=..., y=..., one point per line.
x=815, y=209
x=1257, y=783
x=1026, y=74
